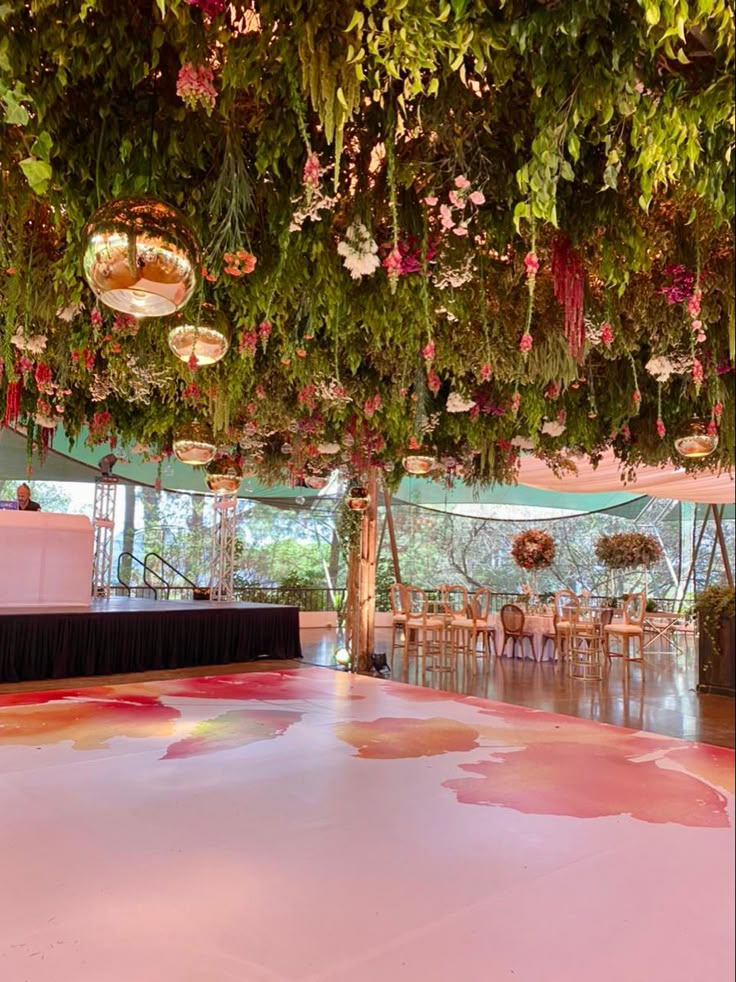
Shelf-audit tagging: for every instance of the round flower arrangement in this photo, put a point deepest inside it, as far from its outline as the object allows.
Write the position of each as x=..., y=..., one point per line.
x=533, y=549
x=628, y=549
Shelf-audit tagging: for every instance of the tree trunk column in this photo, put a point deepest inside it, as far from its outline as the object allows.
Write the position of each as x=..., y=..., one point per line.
x=361, y=586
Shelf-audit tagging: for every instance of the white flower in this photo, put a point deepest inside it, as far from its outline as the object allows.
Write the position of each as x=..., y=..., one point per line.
x=456, y=403
x=359, y=251
x=36, y=343
x=69, y=313
x=553, y=428
x=661, y=368
x=328, y=448
x=47, y=422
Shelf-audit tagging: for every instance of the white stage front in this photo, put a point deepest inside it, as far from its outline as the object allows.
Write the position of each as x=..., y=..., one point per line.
x=45, y=559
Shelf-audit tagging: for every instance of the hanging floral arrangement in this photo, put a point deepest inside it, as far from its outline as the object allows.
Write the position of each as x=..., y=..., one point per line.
x=625, y=550
x=533, y=549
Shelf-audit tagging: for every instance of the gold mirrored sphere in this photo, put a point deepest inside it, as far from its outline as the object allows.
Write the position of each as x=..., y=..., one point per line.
x=204, y=334
x=223, y=475
x=141, y=256
x=693, y=440
x=418, y=464
x=194, y=444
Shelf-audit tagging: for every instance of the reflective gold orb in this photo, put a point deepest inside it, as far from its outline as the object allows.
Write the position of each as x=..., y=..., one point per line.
x=204, y=334
x=316, y=481
x=358, y=499
x=418, y=464
x=223, y=475
x=140, y=256
x=194, y=444
x=693, y=440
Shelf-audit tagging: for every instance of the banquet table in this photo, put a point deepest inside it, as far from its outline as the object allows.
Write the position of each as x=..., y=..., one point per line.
x=537, y=625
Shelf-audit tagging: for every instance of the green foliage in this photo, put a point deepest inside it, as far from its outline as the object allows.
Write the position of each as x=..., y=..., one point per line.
x=608, y=121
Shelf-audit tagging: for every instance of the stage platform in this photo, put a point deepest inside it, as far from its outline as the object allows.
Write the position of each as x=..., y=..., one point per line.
x=124, y=634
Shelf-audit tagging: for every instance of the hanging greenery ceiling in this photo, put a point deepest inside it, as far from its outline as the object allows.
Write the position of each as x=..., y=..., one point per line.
x=462, y=227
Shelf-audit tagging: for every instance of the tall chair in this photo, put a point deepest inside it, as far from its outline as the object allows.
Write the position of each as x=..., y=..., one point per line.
x=480, y=607
x=629, y=628
x=455, y=608
x=398, y=615
x=562, y=625
x=512, y=621
x=425, y=632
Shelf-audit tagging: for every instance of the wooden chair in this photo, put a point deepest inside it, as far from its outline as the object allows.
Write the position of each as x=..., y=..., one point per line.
x=480, y=607
x=425, y=632
x=629, y=628
x=455, y=608
x=563, y=598
x=512, y=621
x=398, y=615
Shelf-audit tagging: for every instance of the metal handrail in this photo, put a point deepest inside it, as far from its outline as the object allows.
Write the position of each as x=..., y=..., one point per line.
x=135, y=559
x=165, y=562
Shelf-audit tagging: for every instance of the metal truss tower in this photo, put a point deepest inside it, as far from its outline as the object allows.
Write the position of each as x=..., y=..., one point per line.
x=222, y=566
x=104, y=522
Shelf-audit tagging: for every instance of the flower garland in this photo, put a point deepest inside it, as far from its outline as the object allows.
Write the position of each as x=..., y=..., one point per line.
x=625, y=550
x=533, y=549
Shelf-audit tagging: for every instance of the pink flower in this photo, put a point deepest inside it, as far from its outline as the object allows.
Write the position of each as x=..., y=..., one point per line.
x=248, y=341
x=194, y=85
x=95, y=317
x=433, y=382
x=607, y=334
x=626, y=433
x=462, y=182
x=456, y=200
x=485, y=371
x=312, y=172
x=515, y=403
x=526, y=343
x=697, y=371
x=393, y=263
x=460, y=230
x=531, y=262
x=264, y=330
x=718, y=410
x=693, y=304
x=446, y=219
x=157, y=484
x=697, y=325
x=428, y=351
x=711, y=428
x=636, y=397
x=661, y=429
x=193, y=363
x=477, y=198
x=430, y=201
x=552, y=391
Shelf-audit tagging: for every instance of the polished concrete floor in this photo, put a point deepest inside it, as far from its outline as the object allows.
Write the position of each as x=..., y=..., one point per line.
x=660, y=698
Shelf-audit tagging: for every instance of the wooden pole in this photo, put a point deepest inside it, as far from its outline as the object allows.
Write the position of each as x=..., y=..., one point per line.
x=391, y=533
x=367, y=579
x=718, y=516
x=696, y=550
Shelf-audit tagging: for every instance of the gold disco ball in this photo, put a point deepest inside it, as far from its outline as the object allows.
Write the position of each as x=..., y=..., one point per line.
x=223, y=475
x=693, y=441
x=204, y=334
x=418, y=464
x=194, y=444
x=358, y=499
x=140, y=256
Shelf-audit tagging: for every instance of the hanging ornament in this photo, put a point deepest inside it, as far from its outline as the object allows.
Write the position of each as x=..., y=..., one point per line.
x=696, y=439
x=140, y=256
x=315, y=481
x=418, y=464
x=223, y=475
x=203, y=336
x=358, y=499
x=194, y=444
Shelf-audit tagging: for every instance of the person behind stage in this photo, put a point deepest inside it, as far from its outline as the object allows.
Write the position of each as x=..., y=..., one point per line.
x=25, y=503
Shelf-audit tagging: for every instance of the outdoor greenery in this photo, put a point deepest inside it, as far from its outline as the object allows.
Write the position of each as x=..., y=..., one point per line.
x=463, y=226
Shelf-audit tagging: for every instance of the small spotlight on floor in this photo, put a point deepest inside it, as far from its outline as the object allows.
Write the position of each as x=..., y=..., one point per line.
x=379, y=663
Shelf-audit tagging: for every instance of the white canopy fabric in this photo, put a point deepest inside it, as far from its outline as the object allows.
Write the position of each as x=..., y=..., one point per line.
x=705, y=487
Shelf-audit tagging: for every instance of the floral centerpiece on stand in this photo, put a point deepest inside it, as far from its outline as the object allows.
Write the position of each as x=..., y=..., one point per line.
x=628, y=550
x=533, y=550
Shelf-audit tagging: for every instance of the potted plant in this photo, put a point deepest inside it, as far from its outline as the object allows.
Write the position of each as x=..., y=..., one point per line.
x=715, y=610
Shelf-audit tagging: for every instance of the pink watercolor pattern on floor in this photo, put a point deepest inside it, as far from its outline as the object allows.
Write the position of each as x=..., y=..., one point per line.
x=538, y=763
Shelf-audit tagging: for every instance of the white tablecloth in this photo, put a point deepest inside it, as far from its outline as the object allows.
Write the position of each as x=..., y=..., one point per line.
x=535, y=624
x=45, y=559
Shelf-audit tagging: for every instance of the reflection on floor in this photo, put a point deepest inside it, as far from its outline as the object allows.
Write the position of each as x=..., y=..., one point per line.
x=304, y=824
x=661, y=699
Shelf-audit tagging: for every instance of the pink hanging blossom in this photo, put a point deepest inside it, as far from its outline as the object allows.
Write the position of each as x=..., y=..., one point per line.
x=433, y=382
x=477, y=198
x=392, y=263
x=718, y=410
x=711, y=428
x=193, y=363
x=531, y=264
x=552, y=391
x=195, y=87
x=526, y=343
x=428, y=351
x=607, y=334
x=515, y=403
x=697, y=371
x=248, y=341
x=372, y=405
x=693, y=304
x=486, y=370
x=661, y=429
x=636, y=397
x=95, y=317
x=462, y=182
x=312, y=172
